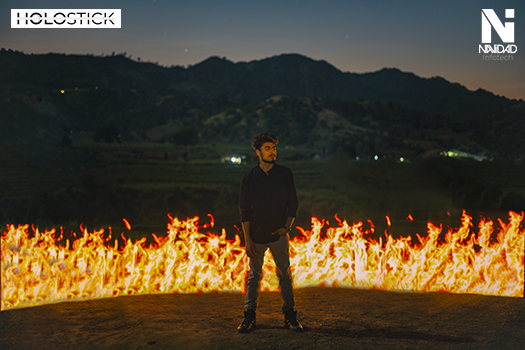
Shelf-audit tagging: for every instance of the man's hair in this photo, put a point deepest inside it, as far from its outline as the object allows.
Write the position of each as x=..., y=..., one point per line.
x=260, y=139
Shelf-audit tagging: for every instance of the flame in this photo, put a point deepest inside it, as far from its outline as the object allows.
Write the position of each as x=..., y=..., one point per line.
x=128, y=225
x=38, y=270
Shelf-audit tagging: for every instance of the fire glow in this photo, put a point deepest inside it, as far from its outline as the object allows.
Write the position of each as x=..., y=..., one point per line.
x=38, y=270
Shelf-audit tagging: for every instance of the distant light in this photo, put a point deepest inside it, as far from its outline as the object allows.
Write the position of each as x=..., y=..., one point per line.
x=236, y=160
x=376, y=157
x=62, y=91
x=357, y=158
x=401, y=159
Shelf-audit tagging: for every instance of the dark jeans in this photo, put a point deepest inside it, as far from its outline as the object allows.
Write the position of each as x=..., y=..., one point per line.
x=281, y=255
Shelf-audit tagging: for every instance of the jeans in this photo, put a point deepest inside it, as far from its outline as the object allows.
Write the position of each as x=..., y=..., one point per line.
x=281, y=255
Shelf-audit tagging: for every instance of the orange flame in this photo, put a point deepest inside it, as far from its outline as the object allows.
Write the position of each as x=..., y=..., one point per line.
x=38, y=270
x=128, y=225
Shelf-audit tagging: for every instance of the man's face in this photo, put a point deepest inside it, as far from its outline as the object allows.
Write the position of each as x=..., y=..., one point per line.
x=268, y=152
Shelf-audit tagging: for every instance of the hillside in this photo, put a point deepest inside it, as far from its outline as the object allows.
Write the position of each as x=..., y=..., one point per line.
x=296, y=75
x=45, y=99
x=255, y=81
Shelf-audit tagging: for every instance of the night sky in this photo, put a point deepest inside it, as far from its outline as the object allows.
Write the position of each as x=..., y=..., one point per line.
x=428, y=38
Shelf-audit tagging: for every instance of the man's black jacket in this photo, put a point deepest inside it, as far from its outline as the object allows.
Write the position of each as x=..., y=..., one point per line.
x=267, y=201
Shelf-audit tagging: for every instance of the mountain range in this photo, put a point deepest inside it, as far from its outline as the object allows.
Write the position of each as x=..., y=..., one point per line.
x=310, y=103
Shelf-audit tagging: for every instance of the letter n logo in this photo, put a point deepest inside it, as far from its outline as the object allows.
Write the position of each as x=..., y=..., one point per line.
x=490, y=20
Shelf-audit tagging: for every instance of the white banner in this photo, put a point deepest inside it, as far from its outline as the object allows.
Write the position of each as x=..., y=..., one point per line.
x=72, y=18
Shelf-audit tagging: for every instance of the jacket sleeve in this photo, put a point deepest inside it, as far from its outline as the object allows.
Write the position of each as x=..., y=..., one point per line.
x=245, y=206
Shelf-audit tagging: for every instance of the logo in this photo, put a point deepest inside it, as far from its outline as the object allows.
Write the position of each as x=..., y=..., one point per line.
x=489, y=21
x=107, y=18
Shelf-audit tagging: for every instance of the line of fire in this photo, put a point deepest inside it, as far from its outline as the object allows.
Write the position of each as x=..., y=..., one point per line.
x=37, y=270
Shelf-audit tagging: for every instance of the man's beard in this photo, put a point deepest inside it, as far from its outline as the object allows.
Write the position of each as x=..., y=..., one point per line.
x=269, y=161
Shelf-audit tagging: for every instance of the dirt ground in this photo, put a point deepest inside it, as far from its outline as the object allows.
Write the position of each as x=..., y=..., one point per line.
x=333, y=319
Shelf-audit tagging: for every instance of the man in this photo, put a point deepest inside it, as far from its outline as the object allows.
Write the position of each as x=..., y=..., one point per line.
x=268, y=205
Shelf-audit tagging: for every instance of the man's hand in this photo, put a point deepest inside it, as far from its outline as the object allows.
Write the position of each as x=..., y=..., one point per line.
x=250, y=250
x=281, y=232
x=250, y=247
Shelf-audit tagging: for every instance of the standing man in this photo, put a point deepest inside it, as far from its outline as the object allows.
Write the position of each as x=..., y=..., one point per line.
x=268, y=205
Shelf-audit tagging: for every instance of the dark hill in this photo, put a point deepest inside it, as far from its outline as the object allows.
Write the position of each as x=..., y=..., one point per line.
x=255, y=81
x=388, y=109
x=59, y=71
x=296, y=75
x=433, y=95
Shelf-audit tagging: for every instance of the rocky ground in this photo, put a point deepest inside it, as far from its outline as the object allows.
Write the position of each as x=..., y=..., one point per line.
x=333, y=319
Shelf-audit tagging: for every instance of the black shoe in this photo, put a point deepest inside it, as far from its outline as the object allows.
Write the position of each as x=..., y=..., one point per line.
x=249, y=322
x=290, y=321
